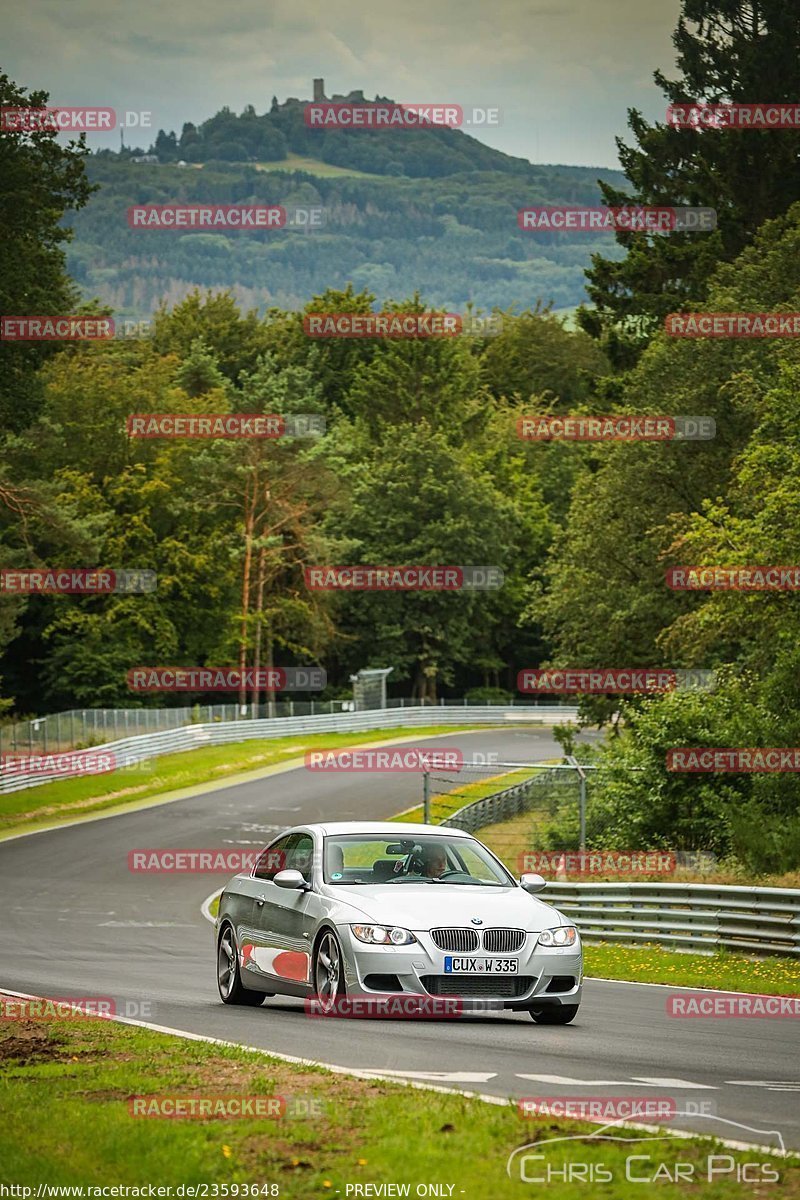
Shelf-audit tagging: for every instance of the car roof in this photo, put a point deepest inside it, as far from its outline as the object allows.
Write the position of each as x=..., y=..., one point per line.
x=397, y=829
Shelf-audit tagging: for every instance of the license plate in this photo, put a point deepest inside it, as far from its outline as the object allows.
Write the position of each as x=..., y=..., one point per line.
x=480, y=966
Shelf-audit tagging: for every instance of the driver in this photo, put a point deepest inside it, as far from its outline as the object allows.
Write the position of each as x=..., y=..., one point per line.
x=434, y=862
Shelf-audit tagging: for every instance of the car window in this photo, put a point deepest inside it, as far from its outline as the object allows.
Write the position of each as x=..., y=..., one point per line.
x=300, y=855
x=376, y=859
x=475, y=866
x=273, y=859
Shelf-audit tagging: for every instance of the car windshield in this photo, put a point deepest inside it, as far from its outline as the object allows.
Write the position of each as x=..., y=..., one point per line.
x=437, y=860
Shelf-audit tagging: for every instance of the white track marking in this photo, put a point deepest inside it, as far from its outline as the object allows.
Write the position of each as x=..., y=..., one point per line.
x=771, y=1085
x=568, y=1081
x=666, y=1081
x=206, y=906
x=440, y=1076
x=632, y=1081
x=675, y=987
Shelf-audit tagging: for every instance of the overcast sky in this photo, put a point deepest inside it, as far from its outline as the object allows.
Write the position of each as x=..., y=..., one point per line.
x=563, y=73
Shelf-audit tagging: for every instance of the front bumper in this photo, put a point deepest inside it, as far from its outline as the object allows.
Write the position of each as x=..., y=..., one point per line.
x=546, y=975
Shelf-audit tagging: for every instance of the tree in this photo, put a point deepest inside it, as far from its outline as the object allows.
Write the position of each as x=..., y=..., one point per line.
x=534, y=352
x=166, y=146
x=727, y=50
x=419, y=502
x=42, y=180
x=604, y=601
x=274, y=493
x=235, y=340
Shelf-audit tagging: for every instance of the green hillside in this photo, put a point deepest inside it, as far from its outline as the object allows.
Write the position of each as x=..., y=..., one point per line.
x=430, y=210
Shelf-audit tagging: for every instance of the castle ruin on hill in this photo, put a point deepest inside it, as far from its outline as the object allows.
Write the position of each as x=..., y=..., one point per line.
x=355, y=97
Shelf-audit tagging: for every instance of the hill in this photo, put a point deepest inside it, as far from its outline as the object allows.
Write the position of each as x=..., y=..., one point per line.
x=432, y=210
x=283, y=132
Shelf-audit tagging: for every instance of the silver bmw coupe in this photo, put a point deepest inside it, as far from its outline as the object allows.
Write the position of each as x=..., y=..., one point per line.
x=391, y=910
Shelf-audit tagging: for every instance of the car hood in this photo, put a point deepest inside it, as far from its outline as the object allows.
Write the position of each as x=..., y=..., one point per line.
x=428, y=906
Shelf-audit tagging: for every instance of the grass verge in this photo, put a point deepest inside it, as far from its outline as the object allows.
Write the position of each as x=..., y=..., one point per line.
x=772, y=976
x=66, y=1091
x=64, y=799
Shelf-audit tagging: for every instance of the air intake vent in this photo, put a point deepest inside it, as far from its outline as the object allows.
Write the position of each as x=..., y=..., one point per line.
x=383, y=983
x=459, y=941
x=503, y=941
x=561, y=983
x=472, y=987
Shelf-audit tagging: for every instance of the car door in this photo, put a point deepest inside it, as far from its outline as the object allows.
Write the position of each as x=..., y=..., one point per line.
x=257, y=912
x=295, y=915
x=283, y=918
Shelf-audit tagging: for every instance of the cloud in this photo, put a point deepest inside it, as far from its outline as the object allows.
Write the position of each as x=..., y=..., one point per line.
x=563, y=74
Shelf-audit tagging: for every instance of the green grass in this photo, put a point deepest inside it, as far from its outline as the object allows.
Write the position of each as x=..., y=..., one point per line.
x=69, y=798
x=775, y=976
x=313, y=166
x=65, y=1090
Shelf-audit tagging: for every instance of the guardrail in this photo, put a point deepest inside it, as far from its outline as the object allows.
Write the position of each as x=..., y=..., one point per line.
x=697, y=916
x=127, y=752
x=82, y=727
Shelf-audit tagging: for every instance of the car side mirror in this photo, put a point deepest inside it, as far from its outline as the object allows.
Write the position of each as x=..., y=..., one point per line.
x=530, y=882
x=293, y=881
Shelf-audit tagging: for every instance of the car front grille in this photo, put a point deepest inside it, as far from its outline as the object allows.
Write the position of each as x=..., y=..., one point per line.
x=501, y=987
x=503, y=941
x=456, y=940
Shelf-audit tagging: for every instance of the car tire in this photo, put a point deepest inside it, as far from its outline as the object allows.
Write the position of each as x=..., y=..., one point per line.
x=229, y=979
x=555, y=1016
x=328, y=970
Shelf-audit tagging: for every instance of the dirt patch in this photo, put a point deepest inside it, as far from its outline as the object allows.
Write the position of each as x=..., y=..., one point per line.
x=220, y=1075
x=30, y=1044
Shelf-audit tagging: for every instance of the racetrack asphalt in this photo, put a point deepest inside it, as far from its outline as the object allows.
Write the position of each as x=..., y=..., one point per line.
x=76, y=922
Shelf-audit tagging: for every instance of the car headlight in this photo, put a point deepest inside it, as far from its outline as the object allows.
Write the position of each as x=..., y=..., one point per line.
x=383, y=935
x=564, y=935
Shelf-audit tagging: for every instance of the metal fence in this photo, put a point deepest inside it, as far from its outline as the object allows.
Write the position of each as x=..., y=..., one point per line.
x=80, y=728
x=130, y=751
x=697, y=916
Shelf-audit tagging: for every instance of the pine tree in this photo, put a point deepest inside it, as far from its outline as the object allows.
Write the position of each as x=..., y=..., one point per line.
x=42, y=179
x=744, y=51
x=199, y=372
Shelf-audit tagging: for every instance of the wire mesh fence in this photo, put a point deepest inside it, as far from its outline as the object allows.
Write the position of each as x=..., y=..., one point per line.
x=517, y=809
x=80, y=728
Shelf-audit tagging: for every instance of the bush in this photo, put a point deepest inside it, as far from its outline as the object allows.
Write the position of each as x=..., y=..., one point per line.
x=488, y=695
